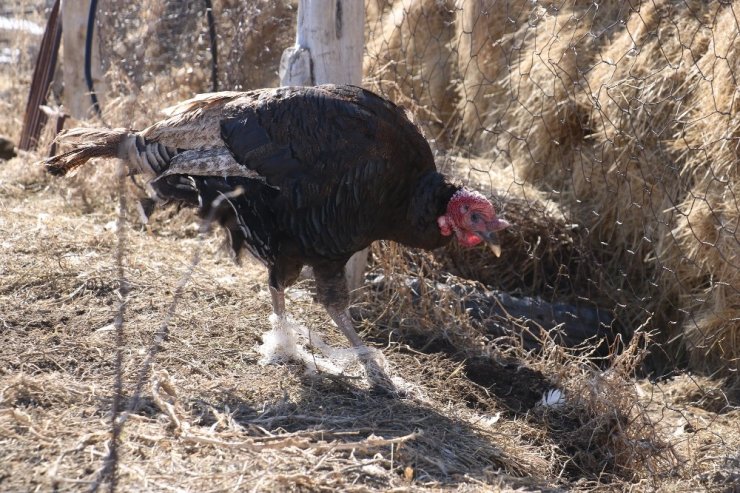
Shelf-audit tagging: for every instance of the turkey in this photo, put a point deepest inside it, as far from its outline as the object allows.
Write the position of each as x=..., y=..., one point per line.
x=306, y=176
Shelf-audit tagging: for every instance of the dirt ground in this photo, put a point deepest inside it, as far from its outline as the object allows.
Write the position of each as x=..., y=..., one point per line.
x=211, y=418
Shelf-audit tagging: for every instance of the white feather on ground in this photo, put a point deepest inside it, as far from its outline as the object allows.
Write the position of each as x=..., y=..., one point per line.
x=288, y=340
x=281, y=344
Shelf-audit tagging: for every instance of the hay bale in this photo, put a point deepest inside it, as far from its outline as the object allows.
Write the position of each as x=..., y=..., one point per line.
x=639, y=87
x=375, y=10
x=520, y=64
x=606, y=137
x=710, y=149
x=709, y=281
x=484, y=55
x=622, y=120
x=700, y=247
x=543, y=127
x=409, y=59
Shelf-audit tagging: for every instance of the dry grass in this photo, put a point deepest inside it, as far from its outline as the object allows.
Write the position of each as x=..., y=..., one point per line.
x=483, y=41
x=408, y=59
x=213, y=419
x=628, y=112
x=703, y=244
x=148, y=63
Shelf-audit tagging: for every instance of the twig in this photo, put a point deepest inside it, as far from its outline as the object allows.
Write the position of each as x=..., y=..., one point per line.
x=109, y=469
x=301, y=441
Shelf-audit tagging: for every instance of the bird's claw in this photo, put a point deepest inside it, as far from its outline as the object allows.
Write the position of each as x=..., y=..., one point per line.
x=375, y=366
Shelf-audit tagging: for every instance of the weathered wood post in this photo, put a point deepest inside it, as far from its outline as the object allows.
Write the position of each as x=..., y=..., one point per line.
x=329, y=47
x=77, y=101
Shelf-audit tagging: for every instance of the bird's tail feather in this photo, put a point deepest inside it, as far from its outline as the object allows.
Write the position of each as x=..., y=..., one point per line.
x=86, y=144
x=149, y=158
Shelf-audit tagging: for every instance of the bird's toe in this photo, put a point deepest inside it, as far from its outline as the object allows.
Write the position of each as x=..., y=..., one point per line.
x=376, y=370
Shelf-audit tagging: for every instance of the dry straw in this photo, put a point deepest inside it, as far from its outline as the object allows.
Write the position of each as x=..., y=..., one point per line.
x=485, y=56
x=408, y=57
x=628, y=111
x=703, y=247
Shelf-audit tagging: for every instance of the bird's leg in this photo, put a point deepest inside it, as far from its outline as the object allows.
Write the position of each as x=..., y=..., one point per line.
x=372, y=360
x=344, y=321
x=332, y=292
x=280, y=342
x=331, y=288
x=282, y=274
x=278, y=302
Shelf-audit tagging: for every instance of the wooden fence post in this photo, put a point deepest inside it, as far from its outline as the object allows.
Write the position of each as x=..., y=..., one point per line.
x=77, y=101
x=329, y=48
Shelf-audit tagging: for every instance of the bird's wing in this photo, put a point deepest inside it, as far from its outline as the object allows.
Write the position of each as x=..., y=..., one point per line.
x=195, y=123
x=326, y=143
x=201, y=102
x=216, y=161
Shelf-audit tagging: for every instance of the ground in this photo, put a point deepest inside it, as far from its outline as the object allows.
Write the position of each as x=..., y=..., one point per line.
x=211, y=418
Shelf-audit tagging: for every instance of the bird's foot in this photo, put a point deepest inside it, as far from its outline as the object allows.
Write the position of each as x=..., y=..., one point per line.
x=285, y=342
x=376, y=370
x=279, y=344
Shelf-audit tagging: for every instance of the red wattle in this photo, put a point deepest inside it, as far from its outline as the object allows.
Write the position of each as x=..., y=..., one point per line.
x=469, y=239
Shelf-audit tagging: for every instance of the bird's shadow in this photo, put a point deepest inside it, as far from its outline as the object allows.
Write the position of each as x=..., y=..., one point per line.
x=439, y=447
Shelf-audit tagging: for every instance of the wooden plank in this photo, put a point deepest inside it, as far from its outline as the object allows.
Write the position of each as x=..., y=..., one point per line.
x=77, y=100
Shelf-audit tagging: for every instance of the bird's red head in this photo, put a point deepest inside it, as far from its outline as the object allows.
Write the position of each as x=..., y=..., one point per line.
x=472, y=219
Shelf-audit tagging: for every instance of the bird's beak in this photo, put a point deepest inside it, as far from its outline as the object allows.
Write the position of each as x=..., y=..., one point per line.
x=490, y=236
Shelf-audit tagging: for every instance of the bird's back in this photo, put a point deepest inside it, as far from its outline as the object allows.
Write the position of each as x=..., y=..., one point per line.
x=313, y=120
x=344, y=160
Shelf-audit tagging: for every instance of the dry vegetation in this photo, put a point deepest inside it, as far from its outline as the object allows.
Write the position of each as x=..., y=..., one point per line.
x=607, y=131
x=625, y=115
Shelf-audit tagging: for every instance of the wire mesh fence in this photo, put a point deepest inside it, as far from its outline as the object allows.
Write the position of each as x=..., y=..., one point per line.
x=608, y=127
x=607, y=132
x=622, y=116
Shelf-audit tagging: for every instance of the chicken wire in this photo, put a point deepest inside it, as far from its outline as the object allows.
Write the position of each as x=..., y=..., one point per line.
x=617, y=121
x=608, y=128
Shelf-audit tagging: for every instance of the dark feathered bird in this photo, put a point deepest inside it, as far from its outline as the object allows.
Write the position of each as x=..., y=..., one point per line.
x=322, y=172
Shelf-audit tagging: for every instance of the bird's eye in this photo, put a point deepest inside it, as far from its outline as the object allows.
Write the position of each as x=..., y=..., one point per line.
x=475, y=217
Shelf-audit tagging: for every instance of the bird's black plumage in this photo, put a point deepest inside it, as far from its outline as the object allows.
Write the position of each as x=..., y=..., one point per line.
x=338, y=168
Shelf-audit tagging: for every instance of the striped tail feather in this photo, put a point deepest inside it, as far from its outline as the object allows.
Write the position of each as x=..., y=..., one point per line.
x=146, y=157
x=86, y=143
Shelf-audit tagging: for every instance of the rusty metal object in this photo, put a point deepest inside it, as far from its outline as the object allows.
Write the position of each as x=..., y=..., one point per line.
x=34, y=118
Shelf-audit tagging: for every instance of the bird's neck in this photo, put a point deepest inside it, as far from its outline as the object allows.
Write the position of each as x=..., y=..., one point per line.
x=428, y=202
